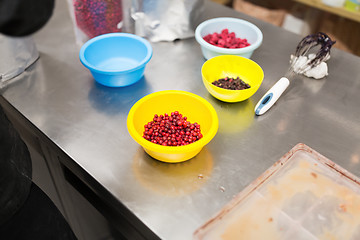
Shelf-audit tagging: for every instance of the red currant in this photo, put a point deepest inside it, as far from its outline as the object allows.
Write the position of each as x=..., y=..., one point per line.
x=171, y=130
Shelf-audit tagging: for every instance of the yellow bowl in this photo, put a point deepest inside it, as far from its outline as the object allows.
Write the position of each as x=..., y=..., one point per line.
x=231, y=66
x=194, y=107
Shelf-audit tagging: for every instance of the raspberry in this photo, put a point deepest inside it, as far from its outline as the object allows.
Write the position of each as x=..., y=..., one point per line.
x=226, y=39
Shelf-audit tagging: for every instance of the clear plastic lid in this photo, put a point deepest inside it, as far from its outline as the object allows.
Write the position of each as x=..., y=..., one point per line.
x=302, y=196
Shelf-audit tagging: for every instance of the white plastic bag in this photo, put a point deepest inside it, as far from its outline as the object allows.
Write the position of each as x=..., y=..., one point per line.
x=17, y=54
x=165, y=20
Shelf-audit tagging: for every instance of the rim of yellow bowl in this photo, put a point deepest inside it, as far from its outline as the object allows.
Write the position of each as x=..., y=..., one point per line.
x=172, y=149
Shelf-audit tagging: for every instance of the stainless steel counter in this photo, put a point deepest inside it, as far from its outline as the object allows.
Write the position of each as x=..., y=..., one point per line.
x=87, y=122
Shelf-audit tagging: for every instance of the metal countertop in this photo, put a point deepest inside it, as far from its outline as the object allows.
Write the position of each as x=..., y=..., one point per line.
x=88, y=122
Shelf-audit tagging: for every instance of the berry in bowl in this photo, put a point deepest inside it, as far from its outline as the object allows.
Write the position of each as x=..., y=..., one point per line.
x=172, y=130
x=172, y=126
x=231, y=78
x=228, y=36
x=226, y=39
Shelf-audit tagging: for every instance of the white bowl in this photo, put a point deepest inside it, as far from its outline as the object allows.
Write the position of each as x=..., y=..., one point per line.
x=241, y=28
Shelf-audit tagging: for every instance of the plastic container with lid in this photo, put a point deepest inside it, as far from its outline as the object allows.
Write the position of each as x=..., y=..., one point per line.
x=302, y=196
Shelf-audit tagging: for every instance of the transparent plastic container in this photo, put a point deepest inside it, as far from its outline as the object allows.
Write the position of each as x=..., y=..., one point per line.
x=303, y=196
x=92, y=18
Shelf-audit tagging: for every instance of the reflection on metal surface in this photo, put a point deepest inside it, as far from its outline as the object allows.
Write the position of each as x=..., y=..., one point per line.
x=314, y=86
x=327, y=112
x=355, y=159
x=282, y=125
x=172, y=179
x=116, y=100
x=235, y=117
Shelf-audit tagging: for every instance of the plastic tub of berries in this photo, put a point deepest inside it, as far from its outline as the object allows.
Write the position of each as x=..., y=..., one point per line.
x=228, y=36
x=172, y=126
x=231, y=78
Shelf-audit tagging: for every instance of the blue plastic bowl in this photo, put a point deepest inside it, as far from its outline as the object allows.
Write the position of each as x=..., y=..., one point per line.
x=116, y=59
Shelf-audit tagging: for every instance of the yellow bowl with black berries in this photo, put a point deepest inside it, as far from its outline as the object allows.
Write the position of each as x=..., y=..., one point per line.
x=231, y=67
